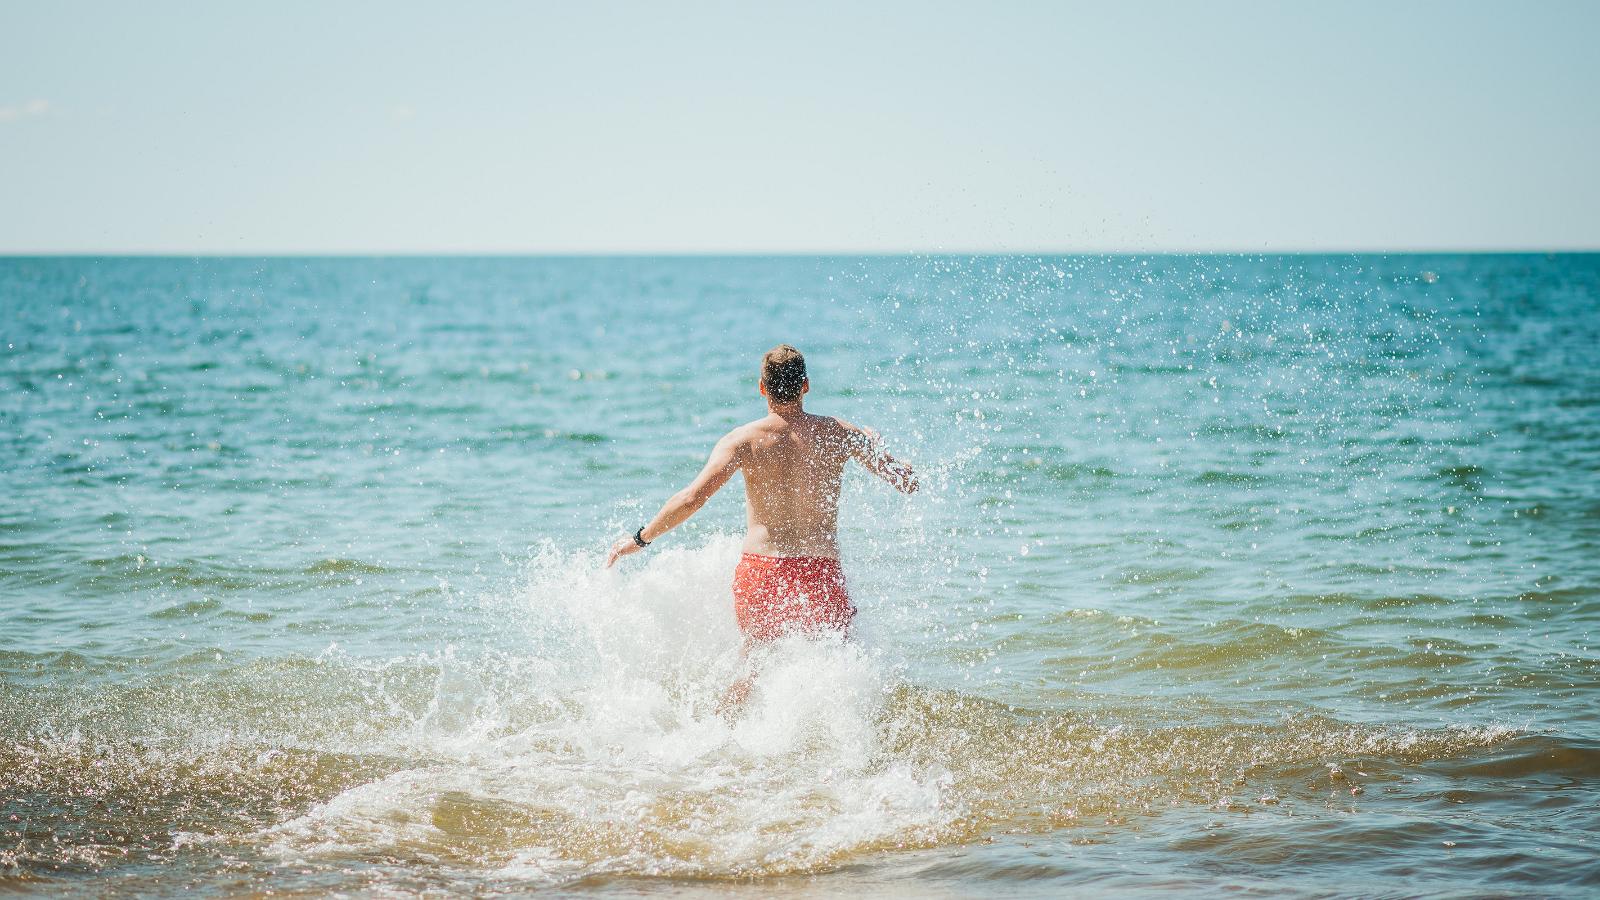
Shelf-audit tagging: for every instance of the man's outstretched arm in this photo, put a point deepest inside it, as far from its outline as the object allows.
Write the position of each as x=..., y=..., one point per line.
x=868, y=450
x=719, y=468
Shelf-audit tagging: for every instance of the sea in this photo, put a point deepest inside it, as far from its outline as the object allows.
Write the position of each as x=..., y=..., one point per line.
x=1249, y=575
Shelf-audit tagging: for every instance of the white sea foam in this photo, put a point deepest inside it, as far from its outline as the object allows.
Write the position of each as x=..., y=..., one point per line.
x=584, y=739
x=613, y=756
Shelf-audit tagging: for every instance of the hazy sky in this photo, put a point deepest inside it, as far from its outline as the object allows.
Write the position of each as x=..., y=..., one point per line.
x=861, y=127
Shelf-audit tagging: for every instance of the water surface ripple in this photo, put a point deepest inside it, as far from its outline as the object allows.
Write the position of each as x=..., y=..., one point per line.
x=1278, y=575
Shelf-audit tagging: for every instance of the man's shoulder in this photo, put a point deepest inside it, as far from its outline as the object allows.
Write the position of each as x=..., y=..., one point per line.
x=845, y=427
x=744, y=434
x=765, y=427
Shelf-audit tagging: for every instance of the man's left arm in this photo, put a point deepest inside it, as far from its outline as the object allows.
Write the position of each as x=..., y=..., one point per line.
x=868, y=450
x=719, y=468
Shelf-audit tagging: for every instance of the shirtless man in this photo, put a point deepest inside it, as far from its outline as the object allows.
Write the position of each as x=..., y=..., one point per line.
x=793, y=461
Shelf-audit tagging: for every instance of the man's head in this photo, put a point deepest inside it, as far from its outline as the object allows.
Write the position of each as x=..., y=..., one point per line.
x=783, y=374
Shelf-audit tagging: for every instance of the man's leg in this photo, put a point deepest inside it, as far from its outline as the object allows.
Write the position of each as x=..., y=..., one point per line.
x=733, y=698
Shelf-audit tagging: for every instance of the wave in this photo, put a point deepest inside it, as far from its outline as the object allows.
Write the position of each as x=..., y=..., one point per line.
x=583, y=740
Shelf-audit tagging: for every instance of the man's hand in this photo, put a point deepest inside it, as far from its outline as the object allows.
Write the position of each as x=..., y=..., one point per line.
x=620, y=549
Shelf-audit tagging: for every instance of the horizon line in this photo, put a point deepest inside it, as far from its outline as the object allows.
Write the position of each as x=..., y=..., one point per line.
x=753, y=254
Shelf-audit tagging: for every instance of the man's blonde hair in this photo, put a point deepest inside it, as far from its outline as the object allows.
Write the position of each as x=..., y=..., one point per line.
x=783, y=371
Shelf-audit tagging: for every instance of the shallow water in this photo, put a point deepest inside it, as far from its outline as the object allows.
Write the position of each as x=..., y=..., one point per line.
x=1277, y=575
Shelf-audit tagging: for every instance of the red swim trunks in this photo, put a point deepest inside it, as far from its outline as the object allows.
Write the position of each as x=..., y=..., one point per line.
x=773, y=595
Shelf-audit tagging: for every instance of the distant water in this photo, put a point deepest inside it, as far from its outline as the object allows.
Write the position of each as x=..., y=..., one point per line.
x=1276, y=574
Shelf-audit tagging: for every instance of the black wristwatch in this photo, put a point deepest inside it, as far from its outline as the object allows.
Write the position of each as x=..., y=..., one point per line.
x=638, y=537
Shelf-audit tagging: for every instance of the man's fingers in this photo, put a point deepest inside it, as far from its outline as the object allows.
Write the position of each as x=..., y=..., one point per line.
x=619, y=550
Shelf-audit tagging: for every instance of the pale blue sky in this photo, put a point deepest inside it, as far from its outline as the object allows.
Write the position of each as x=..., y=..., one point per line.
x=856, y=127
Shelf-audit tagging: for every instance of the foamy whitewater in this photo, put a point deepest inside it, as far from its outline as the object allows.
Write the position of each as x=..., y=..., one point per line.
x=1268, y=575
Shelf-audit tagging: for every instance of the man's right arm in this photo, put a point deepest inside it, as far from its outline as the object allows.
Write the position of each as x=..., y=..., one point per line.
x=724, y=461
x=868, y=450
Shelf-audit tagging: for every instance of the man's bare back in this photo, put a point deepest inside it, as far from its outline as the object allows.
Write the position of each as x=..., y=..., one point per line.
x=793, y=463
x=792, y=469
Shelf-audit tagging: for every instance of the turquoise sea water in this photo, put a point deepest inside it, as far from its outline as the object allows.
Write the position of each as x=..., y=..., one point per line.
x=1271, y=574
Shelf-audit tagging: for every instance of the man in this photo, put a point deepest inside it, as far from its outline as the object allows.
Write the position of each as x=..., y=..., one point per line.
x=793, y=461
